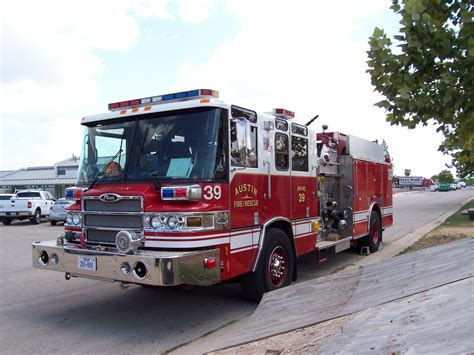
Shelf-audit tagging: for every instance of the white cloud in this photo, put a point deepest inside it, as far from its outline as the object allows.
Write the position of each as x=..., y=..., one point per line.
x=303, y=55
x=195, y=11
x=310, y=57
x=50, y=67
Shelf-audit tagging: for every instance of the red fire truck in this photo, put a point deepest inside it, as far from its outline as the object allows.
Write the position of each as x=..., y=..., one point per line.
x=185, y=189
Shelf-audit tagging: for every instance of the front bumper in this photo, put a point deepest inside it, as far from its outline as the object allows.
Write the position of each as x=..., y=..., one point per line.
x=57, y=216
x=163, y=268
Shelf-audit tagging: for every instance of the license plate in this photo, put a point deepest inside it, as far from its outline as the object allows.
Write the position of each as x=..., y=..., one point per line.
x=86, y=263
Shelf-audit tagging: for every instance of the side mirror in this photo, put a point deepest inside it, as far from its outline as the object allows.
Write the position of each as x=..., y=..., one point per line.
x=244, y=142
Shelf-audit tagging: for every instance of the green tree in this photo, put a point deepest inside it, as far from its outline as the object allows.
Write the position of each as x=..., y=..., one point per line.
x=446, y=176
x=429, y=78
x=435, y=178
x=407, y=172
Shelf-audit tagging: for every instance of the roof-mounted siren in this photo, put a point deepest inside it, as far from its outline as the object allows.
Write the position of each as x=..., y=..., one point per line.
x=283, y=113
x=164, y=99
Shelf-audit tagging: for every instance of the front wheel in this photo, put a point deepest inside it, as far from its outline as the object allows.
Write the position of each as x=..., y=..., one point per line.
x=275, y=267
x=6, y=221
x=36, y=219
x=53, y=222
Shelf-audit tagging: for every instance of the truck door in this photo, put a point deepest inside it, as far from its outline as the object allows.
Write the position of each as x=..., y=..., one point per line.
x=303, y=181
x=303, y=188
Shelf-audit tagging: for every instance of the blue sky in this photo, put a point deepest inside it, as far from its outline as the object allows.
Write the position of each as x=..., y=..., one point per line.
x=65, y=60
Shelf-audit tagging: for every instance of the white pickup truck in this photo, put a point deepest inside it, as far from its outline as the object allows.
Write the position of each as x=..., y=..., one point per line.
x=25, y=204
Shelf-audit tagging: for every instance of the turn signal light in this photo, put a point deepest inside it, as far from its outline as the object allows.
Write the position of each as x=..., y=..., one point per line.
x=194, y=222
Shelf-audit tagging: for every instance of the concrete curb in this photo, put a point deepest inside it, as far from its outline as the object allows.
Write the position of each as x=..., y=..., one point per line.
x=393, y=249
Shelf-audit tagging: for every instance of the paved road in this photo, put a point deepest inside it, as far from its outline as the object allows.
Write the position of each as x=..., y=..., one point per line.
x=40, y=312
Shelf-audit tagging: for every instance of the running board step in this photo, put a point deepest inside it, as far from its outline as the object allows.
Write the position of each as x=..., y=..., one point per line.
x=339, y=245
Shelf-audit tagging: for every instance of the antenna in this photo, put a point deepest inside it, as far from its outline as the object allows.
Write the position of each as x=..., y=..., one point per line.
x=311, y=120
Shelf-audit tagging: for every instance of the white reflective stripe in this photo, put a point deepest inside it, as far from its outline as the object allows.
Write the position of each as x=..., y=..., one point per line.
x=302, y=228
x=244, y=249
x=186, y=244
x=240, y=241
x=166, y=237
x=254, y=230
x=304, y=235
x=256, y=237
x=360, y=216
x=387, y=210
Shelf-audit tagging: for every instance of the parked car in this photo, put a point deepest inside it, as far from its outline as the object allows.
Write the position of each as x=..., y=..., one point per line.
x=453, y=187
x=26, y=204
x=5, y=201
x=461, y=184
x=443, y=186
x=5, y=197
x=57, y=212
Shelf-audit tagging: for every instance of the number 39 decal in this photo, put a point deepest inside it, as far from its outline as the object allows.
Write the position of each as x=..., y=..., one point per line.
x=211, y=192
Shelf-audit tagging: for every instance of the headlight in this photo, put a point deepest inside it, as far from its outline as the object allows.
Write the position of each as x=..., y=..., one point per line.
x=69, y=218
x=155, y=222
x=172, y=222
x=76, y=219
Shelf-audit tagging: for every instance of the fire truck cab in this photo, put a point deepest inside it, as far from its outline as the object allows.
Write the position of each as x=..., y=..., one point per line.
x=186, y=189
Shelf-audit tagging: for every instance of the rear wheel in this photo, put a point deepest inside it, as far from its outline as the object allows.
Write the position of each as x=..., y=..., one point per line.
x=6, y=221
x=375, y=233
x=275, y=267
x=36, y=219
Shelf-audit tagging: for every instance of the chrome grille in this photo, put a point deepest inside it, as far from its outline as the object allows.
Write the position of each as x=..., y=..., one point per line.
x=102, y=220
x=125, y=205
x=101, y=236
x=111, y=221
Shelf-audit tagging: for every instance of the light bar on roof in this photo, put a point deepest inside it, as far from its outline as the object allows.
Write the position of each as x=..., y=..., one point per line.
x=283, y=113
x=159, y=99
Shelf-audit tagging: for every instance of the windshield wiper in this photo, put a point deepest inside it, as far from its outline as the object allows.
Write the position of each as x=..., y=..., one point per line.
x=103, y=169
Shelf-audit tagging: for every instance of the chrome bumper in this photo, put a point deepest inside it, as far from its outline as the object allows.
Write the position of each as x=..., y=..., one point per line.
x=163, y=268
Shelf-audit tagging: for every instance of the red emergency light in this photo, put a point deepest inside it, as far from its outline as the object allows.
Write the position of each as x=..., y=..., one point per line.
x=161, y=99
x=283, y=113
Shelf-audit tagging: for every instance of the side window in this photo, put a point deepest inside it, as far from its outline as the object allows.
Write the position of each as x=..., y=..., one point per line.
x=281, y=151
x=243, y=147
x=299, y=153
x=237, y=153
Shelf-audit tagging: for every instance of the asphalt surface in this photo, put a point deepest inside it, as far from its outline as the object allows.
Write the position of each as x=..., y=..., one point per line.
x=41, y=312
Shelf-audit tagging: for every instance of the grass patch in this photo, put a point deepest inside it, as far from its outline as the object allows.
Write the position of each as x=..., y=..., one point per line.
x=455, y=227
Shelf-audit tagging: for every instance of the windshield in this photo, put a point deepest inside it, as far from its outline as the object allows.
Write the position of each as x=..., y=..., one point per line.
x=177, y=145
x=105, y=150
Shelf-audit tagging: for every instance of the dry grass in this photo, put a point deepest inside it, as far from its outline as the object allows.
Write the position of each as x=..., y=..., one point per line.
x=457, y=226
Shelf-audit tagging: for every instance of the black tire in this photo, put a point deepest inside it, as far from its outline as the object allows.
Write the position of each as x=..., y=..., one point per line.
x=375, y=233
x=6, y=221
x=36, y=219
x=275, y=267
x=53, y=223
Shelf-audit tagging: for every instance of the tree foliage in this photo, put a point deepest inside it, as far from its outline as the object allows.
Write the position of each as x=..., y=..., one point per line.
x=407, y=172
x=429, y=76
x=445, y=176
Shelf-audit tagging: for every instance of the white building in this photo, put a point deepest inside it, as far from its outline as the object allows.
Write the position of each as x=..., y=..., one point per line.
x=53, y=178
